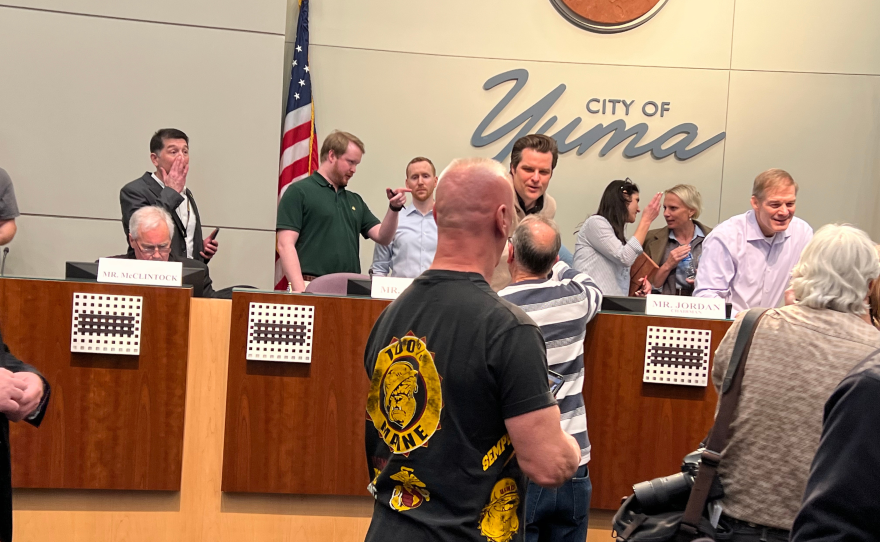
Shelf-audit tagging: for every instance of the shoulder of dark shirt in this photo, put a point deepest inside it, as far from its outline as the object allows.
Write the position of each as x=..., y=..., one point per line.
x=869, y=368
x=5, y=179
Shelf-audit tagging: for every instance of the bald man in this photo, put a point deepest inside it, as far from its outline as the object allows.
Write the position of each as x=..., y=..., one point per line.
x=562, y=301
x=440, y=451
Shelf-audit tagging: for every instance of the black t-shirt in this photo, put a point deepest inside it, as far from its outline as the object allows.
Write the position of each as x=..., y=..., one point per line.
x=449, y=361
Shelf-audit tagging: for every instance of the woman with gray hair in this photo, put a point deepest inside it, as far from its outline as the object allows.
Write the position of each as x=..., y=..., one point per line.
x=799, y=354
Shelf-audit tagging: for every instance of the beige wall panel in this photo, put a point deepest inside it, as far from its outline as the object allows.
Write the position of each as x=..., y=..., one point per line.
x=823, y=129
x=245, y=257
x=692, y=33
x=43, y=244
x=79, y=108
x=807, y=35
x=255, y=15
x=432, y=105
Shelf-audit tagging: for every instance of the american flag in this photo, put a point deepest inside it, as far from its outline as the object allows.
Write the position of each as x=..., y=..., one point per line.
x=299, y=146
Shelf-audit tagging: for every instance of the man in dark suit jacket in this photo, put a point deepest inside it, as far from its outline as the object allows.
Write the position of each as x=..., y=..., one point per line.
x=24, y=395
x=149, y=238
x=166, y=187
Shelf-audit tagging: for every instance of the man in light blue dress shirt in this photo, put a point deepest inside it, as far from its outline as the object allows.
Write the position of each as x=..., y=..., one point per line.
x=747, y=259
x=414, y=244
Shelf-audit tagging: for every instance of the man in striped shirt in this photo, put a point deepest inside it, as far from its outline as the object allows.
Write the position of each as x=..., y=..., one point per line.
x=561, y=301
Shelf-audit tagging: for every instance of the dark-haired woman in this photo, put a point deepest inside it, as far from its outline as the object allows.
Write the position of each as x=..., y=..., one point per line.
x=602, y=250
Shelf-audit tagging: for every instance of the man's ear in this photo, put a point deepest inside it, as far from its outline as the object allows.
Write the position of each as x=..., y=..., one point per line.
x=510, y=253
x=500, y=220
x=154, y=158
x=130, y=241
x=755, y=203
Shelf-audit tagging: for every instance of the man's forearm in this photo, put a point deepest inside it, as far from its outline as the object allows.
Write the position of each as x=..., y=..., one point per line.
x=290, y=266
x=388, y=228
x=7, y=231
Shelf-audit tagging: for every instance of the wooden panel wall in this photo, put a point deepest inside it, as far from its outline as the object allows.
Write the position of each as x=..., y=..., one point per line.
x=200, y=512
x=638, y=431
x=299, y=428
x=114, y=421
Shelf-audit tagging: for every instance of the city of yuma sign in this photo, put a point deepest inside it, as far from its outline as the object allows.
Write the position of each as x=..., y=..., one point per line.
x=684, y=134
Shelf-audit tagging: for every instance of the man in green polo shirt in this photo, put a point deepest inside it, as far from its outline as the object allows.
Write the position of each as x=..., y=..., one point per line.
x=319, y=220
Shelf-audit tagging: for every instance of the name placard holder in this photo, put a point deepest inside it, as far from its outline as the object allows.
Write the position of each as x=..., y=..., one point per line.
x=389, y=287
x=147, y=272
x=685, y=307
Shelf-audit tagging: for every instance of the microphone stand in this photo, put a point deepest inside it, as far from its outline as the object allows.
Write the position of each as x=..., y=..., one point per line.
x=3, y=262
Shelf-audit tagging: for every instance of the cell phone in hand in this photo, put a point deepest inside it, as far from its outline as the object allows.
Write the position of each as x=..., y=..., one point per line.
x=213, y=234
x=556, y=381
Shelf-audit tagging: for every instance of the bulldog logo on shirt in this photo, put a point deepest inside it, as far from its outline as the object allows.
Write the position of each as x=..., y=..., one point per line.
x=405, y=399
x=498, y=520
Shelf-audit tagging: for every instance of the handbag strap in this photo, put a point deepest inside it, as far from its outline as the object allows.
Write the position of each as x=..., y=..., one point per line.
x=730, y=392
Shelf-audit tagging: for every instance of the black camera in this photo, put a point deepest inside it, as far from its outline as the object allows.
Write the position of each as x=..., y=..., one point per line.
x=673, y=491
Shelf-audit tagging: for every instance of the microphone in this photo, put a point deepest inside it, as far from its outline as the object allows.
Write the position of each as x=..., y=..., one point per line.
x=3, y=263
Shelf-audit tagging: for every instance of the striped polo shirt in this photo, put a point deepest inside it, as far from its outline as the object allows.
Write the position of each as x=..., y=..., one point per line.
x=561, y=306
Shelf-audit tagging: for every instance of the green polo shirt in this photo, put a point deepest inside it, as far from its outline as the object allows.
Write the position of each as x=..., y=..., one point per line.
x=328, y=222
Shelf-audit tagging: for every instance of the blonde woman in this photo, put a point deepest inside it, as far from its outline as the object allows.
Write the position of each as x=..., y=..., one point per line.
x=677, y=247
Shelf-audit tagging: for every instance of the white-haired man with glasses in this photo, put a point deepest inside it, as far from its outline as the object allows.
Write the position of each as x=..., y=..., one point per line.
x=149, y=234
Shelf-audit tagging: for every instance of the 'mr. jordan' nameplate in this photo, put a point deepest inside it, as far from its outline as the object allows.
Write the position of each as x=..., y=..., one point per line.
x=389, y=287
x=140, y=272
x=685, y=307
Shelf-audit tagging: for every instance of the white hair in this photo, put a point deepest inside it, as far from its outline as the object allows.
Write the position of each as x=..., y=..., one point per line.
x=147, y=218
x=835, y=268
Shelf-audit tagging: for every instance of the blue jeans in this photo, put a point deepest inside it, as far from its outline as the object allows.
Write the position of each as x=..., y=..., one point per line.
x=561, y=514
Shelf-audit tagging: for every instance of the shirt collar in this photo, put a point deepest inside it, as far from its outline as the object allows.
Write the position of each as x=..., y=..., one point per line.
x=412, y=209
x=318, y=178
x=698, y=232
x=539, y=204
x=754, y=233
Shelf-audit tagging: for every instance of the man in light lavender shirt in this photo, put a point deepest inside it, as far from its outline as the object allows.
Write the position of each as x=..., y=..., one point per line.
x=415, y=242
x=747, y=259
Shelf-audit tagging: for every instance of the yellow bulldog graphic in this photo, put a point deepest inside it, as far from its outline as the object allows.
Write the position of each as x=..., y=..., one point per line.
x=498, y=520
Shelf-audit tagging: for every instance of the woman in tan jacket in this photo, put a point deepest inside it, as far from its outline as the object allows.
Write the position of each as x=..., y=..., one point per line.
x=677, y=247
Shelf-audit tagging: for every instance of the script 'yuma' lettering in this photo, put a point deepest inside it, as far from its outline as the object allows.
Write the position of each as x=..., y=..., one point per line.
x=617, y=129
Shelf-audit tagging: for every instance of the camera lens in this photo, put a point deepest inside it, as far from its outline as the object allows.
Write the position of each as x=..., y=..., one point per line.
x=659, y=491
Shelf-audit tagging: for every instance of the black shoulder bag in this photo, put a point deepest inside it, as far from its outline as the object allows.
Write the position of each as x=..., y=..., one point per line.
x=652, y=513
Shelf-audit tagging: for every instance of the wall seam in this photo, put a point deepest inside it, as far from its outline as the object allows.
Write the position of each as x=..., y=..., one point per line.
x=117, y=220
x=148, y=21
x=726, y=113
x=571, y=62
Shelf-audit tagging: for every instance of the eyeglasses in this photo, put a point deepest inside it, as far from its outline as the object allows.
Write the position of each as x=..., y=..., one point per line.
x=162, y=249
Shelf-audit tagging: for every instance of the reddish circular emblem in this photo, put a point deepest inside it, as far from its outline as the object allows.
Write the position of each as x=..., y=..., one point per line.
x=608, y=16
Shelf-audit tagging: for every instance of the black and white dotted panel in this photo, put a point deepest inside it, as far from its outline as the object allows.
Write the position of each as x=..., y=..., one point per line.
x=280, y=332
x=106, y=324
x=677, y=356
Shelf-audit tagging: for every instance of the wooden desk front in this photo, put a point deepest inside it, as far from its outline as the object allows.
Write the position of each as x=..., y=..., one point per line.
x=114, y=421
x=638, y=431
x=299, y=427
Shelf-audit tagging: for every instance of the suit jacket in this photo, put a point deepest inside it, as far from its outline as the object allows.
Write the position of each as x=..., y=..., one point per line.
x=655, y=248
x=207, y=287
x=13, y=364
x=146, y=191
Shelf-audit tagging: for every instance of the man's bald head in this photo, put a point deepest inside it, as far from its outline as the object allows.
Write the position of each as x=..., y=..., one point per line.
x=469, y=194
x=536, y=243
